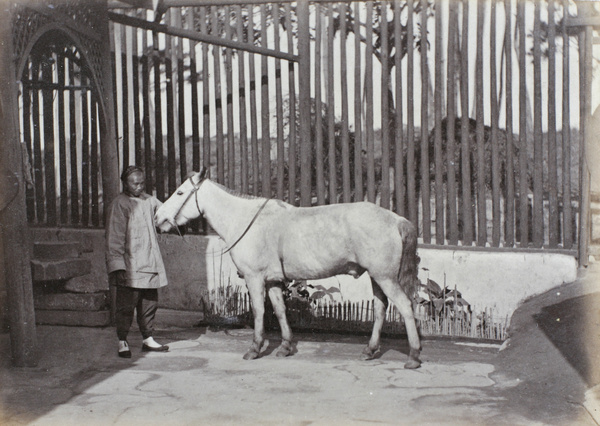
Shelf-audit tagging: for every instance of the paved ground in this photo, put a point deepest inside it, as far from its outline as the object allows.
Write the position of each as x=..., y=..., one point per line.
x=545, y=374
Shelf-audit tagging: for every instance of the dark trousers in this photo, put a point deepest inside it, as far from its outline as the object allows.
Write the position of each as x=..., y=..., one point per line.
x=143, y=301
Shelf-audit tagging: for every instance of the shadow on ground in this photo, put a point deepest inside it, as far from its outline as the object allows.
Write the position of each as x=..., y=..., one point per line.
x=573, y=327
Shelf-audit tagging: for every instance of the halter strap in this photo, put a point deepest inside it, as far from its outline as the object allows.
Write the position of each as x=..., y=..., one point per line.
x=195, y=193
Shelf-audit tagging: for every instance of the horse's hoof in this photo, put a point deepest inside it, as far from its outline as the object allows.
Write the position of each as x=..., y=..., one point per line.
x=282, y=353
x=412, y=364
x=369, y=354
x=250, y=355
x=284, y=349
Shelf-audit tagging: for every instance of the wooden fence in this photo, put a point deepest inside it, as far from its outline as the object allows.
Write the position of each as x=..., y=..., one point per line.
x=231, y=307
x=458, y=136
x=434, y=110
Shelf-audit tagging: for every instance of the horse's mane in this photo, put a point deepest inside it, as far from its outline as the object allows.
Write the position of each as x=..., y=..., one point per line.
x=234, y=192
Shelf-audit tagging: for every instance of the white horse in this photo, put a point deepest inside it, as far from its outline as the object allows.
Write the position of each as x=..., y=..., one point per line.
x=271, y=242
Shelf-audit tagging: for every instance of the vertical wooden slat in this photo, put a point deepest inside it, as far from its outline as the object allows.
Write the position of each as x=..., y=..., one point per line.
x=465, y=131
x=48, y=110
x=253, y=112
x=585, y=86
x=451, y=123
x=229, y=101
x=158, y=132
x=509, y=233
x=425, y=195
x=145, y=60
x=170, y=113
x=399, y=184
x=62, y=142
x=494, y=136
x=302, y=9
x=206, y=147
x=523, y=175
x=553, y=215
x=242, y=101
x=292, y=119
x=195, y=101
x=358, y=174
x=410, y=118
x=265, y=108
x=38, y=170
x=566, y=135
x=438, y=101
x=123, y=78
x=137, y=99
x=73, y=143
x=346, y=190
x=278, y=105
x=479, y=132
x=538, y=158
x=319, y=155
x=115, y=49
x=385, y=107
x=216, y=78
x=27, y=138
x=369, y=125
x=85, y=156
x=330, y=87
x=94, y=164
x=181, y=101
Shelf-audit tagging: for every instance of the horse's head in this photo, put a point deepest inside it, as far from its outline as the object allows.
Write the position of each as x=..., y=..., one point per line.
x=182, y=206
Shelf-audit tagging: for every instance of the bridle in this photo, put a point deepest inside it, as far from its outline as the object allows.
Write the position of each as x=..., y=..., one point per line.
x=194, y=192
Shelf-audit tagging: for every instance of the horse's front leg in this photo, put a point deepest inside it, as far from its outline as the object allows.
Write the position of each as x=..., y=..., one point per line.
x=276, y=296
x=256, y=291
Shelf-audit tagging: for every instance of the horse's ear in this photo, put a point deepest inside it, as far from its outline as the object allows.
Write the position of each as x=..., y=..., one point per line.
x=203, y=173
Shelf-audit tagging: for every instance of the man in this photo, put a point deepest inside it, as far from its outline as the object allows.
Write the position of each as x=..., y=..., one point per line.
x=133, y=260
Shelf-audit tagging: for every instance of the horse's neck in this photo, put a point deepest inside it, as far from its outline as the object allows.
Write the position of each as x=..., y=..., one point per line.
x=228, y=214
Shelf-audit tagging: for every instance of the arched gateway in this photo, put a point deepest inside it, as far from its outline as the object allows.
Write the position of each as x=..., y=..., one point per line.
x=58, y=157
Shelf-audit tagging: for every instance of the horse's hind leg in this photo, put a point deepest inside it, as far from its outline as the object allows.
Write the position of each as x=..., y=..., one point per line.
x=256, y=290
x=380, y=304
x=404, y=305
x=276, y=296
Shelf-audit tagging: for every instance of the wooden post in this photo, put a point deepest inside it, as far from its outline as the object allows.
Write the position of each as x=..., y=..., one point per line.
x=585, y=87
x=14, y=235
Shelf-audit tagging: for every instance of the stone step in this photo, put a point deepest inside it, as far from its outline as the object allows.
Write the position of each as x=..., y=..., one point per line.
x=70, y=301
x=59, y=269
x=73, y=318
x=55, y=250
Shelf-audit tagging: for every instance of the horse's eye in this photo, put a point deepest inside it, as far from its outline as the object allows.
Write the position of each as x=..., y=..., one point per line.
x=179, y=192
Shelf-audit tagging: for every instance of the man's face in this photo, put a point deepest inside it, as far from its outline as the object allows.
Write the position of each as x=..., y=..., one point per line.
x=135, y=184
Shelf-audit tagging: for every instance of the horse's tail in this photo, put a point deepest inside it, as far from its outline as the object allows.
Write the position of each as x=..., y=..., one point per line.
x=409, y=262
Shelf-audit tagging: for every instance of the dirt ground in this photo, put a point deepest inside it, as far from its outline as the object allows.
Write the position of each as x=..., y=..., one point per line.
x=546, y=373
